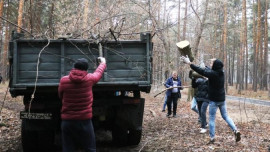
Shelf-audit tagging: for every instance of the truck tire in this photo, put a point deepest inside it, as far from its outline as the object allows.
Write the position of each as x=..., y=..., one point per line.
x=29, y=139
x=134, y=137
x=33, y=140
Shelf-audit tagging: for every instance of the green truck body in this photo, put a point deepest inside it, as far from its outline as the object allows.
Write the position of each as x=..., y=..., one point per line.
x=37, y=65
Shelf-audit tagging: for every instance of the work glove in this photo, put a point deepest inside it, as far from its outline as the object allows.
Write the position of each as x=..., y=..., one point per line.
x=185, y=59
x=101, y=60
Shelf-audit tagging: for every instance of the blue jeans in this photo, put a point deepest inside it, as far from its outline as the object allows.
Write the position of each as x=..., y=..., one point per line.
x=212, y=116
x=193, y=105
x=78, y=134
x=165, y=102
x=203, y=114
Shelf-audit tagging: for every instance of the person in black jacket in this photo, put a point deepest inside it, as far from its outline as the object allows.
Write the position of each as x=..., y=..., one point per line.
x=202, y=100
x=216, y=95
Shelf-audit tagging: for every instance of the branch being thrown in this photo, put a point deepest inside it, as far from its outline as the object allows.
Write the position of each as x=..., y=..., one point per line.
x=181, y=87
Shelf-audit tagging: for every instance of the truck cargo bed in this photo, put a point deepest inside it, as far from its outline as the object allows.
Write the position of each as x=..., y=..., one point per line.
x=128, y=63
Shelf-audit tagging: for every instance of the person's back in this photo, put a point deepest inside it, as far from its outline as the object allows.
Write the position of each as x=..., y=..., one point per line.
x=202, y=89
x=216, y=82
x=75, y=91
x=202, y=99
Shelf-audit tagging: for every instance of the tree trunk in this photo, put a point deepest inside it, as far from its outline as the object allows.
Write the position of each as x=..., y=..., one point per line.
x=164, y=13
x=242, y=49
x=224, y=46
x=202, y=24
x=85, y=15
x=233, y=59
x=1, y=12
x=178, y=26
x=185, y=21
x=265, y=68
x=246, y=45
x=38, y=18
x=30, y=17
x=254, y=75
x=97, y=15
x=258, y=43
x=269, y=85
x=178, y=33
x=4, y=57
x=51, y=26
x=20, y=15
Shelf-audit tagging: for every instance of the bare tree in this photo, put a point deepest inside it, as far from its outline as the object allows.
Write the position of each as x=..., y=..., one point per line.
x=265, y=68
x=5, y=50
x=185, y=21
x=30, y=16
x=178, y=26
x=1, y=11
x=201, y=28
x=225, y=45
x=51, y=17
x=85, y=14
x=20, y=15
x=258, y=43
x=242, y=49
x=254, y=36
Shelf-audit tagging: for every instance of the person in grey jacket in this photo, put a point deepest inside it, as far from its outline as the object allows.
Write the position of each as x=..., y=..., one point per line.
x=216, y=95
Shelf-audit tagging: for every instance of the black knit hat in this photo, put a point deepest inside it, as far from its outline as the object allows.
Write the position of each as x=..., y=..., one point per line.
x=81, y=64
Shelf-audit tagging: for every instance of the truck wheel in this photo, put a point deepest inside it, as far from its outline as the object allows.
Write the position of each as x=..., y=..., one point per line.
x=29, y=139
x=119, y=136
x=134, y=137
x=33, y=141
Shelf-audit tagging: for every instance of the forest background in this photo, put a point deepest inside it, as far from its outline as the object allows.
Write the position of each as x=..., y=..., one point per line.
x=235, y=31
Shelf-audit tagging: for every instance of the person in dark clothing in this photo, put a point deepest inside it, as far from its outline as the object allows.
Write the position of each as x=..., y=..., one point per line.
x=216, y=95
x=75, y=91
x=193, y=76
x=1, y=78
x=173, y=94
x=202, y=100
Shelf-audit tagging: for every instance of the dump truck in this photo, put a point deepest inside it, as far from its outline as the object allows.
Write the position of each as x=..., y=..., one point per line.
x=37, y=65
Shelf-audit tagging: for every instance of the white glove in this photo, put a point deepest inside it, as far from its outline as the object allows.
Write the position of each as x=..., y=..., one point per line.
x=102, y=59
x=185, y=59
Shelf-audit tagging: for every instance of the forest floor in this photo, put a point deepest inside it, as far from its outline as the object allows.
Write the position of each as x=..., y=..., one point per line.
x=164, y=134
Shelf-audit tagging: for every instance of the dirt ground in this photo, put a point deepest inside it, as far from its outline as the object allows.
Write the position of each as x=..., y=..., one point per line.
x=162, y=134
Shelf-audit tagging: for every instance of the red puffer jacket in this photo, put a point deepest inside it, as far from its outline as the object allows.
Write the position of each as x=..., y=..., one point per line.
x=75, y=91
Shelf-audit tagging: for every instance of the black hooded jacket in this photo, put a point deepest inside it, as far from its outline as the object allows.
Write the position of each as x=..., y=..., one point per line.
x=216, y=91
x=202, y=89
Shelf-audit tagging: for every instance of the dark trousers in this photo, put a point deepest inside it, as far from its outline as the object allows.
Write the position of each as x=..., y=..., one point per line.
x=78, y=134
x=172, y=99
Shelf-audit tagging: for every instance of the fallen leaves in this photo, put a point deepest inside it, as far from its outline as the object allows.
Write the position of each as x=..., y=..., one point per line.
x=162, y=134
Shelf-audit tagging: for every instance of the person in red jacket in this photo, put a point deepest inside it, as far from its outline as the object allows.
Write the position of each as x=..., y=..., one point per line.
x=75, y=91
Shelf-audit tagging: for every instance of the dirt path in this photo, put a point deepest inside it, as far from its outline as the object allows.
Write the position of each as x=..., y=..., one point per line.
x=166, y=134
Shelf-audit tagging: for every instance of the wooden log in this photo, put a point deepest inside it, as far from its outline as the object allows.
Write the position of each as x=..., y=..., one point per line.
x=184, y=49
x=182, y=87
